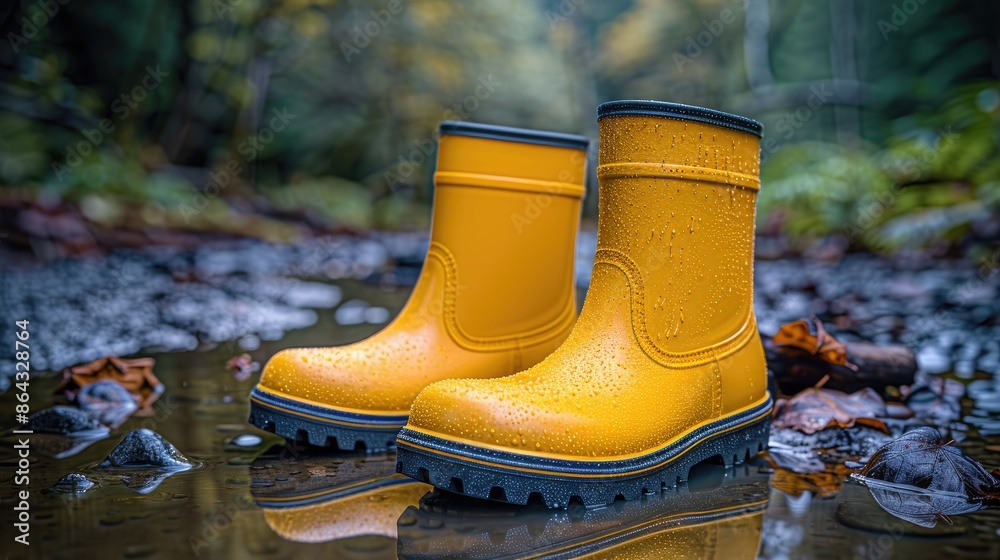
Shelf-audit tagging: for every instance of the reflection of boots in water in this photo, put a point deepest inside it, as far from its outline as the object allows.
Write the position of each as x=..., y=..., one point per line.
x=319, y=498
x=717, y=514
x=727, y=538
x=496, y=293
x=371, y=508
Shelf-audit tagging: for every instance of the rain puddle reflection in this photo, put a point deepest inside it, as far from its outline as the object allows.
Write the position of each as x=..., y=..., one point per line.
x=253, y=495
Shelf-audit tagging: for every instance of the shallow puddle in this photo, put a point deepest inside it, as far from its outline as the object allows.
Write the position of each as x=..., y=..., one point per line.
x=251, y=497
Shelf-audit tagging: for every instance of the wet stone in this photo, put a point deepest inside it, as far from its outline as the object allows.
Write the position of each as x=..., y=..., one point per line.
x=249, y=342
x=73, y=483
x=933, y=360
x=856, y=440
x=67, y=421
x=983, y=388
x=352, y=312
x=246, y=440
x=176, y=299
x=988, y=401
x=965, y=369
x=146, y=448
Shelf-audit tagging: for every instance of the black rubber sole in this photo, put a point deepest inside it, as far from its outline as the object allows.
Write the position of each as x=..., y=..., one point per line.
x=524, y=479
x=323, y=427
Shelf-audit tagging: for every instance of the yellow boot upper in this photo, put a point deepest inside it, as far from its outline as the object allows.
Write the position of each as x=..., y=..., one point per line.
x=496, y=293
x=667, y=340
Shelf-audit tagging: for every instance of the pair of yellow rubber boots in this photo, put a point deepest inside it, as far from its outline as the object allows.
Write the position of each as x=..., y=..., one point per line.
x=487, y=382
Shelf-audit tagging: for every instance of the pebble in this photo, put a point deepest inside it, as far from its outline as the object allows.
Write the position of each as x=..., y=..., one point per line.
x=175, y=300
x=73, y=483
x=249, y=342
x=376, y=315
x=67, y=421
x=313, y=294
x=933, y=360
x=352, y=312
x=247, y=440
x=146, y=448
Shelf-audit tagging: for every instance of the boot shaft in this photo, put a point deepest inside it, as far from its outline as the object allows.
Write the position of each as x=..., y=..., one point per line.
x=506, y=213
x=678, y=189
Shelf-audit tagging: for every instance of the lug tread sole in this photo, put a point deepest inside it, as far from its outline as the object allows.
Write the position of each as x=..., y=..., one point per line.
x=529, y=487
x=284, y=418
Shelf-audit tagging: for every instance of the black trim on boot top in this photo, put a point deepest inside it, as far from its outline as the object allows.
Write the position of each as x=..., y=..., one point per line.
x=680, y=112
x=511, y=134
x=321, y=426
x=521, y=479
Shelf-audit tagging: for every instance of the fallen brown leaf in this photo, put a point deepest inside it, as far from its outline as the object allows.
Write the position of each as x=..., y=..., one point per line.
x=816, y=409
x=135, y=374
x=798, y=334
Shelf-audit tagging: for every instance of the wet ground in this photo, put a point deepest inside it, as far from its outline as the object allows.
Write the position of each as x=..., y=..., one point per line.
x=250, y=495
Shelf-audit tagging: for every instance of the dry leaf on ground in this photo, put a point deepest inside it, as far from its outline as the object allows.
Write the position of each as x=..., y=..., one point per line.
x=814, y=340
x=816, y=409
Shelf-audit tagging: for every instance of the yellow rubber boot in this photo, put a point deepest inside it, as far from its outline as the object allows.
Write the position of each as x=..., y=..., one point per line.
x=665, y=367
x=496, y=294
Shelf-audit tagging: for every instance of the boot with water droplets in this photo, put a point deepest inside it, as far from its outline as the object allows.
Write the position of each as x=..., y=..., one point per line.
x=664, y=368
x=496, y=294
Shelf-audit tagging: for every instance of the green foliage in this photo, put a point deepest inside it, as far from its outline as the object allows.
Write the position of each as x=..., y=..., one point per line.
x=908, y=134
x=928, y=185
x=331, y=199
x=22, y=149
x=819, y=187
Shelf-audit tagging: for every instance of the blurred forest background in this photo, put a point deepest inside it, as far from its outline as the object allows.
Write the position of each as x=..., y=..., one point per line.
x=135, y=122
